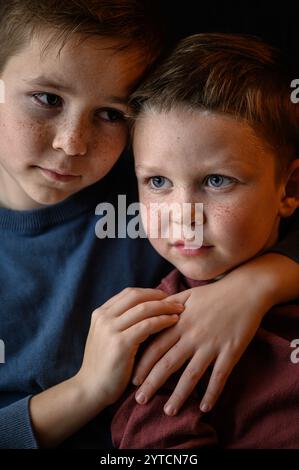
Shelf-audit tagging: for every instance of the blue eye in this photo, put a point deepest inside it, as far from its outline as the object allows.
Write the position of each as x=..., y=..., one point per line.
x=159, y=182
x=218, y=181
x=48, y=99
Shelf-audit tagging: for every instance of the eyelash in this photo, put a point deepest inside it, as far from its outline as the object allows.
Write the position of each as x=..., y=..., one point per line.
x=232, y=180
x=120, y=115
x=148, y=181
x=37, y=96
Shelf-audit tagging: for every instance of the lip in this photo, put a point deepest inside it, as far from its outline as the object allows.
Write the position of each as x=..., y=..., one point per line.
x=189, y=250
x=58, y=175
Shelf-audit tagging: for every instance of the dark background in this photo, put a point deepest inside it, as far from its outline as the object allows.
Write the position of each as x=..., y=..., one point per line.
x=276, y=23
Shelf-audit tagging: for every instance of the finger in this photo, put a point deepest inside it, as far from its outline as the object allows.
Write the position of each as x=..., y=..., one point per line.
x=188, y=381
x=147, y=310
x=139, y=332
x=180, y=297
x=156, y=349
x=161, y=372
x=221, y=371
x=130, y=297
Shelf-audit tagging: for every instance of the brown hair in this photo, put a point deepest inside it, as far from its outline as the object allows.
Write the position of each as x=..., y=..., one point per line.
x=235, y=75
x=132, y=22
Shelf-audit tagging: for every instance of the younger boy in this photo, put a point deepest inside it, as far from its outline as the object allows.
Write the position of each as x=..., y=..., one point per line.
x=215, y=125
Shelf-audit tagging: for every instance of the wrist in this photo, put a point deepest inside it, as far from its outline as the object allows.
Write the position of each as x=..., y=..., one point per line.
x=88, y=395
x=260, y=277
x=60, y=411
x=277, y=275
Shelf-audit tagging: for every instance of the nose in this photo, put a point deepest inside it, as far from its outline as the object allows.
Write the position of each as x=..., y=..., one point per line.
x=188, y=214
x=187, y=209
x=72, y=138
x=188, y=220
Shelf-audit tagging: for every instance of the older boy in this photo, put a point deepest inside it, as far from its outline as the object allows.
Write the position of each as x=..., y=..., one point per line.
x=216, y=125
x=67, y=69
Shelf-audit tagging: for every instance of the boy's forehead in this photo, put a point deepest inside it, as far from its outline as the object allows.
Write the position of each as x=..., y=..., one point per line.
x=79, y=46
x=201, y=138
x=90, y=59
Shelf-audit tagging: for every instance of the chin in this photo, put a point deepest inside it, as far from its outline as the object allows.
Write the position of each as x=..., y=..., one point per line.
x=199, y=273
x=49, y=198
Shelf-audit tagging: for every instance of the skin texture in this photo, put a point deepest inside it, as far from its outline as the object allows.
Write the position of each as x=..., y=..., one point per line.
x=71, y=121
x=195, y=160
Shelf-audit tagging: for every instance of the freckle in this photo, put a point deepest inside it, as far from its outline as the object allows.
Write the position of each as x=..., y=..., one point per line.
x=222, y=211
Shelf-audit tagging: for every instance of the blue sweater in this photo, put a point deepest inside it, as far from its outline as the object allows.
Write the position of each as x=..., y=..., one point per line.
x=54, y=273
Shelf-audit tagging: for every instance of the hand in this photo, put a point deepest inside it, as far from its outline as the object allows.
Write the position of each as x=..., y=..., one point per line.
x=215, y=328
x=117, y=329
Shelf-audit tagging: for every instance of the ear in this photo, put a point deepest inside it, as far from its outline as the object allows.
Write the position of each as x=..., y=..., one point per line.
x=290, y=199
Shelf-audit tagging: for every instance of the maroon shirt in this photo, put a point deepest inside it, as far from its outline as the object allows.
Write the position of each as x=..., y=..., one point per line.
x=259, y=407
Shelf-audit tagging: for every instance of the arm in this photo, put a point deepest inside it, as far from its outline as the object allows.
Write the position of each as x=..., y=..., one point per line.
x=15, y=426
x=116, y=331
x=216, y=327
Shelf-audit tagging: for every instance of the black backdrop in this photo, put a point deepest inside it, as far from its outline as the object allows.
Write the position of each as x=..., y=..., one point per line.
x=276, y=22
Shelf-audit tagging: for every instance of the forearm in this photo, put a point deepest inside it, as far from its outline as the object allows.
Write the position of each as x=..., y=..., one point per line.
x=274, y=276
x=60, y=411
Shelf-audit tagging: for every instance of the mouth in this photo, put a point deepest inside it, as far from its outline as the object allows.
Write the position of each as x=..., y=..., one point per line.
x=189, y=249
x=64, y=176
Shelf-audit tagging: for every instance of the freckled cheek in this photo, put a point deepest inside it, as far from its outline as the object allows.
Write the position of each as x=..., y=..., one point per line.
x=25, y=141
x=227, y=223
x=33, y=136
x=150, y=216
x=108, y=148
x=145, y=212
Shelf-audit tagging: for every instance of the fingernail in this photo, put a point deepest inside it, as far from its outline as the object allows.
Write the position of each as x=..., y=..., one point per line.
x=140, y=398
x=205, y=407
x=136, y=380
x=170, y=410
x=174, y=316
x=180, y=306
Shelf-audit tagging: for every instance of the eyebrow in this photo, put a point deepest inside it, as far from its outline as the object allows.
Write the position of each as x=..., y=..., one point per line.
x=147, y=168
x=43, y=81
x=229, y=162
x=118, y=99
x=50, y=83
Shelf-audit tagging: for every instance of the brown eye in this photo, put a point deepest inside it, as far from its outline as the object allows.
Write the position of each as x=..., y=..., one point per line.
x=111, y=115
x=48, y=99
